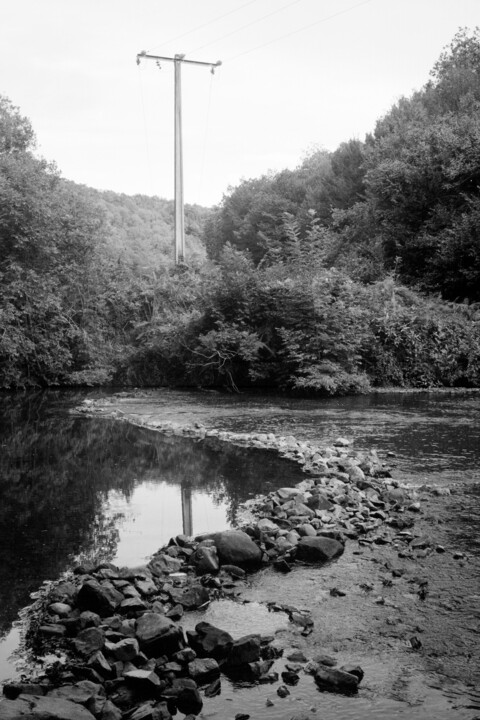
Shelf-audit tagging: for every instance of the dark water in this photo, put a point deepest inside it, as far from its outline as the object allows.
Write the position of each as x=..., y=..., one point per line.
x=73, y=487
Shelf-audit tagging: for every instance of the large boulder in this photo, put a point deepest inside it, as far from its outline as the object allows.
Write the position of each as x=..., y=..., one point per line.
x=35, y=707
x=203, y=670
x=235, y=547
x=189, y=701
x=190, y=597
x=103, y=599
x=157, y=635
x=318, y=549
x=329, y=678
x=210, y=641
x=245, y=650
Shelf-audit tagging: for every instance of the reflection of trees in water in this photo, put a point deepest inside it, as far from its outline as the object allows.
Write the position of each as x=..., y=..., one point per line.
x=56, y=471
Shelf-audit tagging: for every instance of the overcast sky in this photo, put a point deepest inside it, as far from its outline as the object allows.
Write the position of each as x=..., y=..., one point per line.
x=296, y=75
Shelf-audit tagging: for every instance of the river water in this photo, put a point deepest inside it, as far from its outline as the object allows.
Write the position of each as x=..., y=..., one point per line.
x=74, y=487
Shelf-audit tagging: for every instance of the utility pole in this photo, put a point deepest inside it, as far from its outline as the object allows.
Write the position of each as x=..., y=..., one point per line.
x=179, y=247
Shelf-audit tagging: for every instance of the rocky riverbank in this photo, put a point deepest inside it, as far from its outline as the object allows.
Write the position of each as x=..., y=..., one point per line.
x=119, y=631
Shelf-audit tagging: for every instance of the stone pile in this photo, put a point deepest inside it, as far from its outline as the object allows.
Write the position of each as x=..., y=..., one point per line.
x=127, y=656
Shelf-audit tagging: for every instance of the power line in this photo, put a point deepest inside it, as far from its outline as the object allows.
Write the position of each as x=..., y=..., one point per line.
x=200, y=27
x=207, y=122
x=304, y=27
x=243, y=27
x=145, y=129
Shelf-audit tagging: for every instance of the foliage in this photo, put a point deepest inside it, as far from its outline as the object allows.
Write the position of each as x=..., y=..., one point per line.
x=77, y=267
x=359, y=267
x=295, y=324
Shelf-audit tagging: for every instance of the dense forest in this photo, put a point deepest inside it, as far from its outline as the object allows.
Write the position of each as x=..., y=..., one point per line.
x=360, y=268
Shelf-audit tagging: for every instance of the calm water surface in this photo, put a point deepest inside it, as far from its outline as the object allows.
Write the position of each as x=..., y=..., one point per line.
x=75, y=487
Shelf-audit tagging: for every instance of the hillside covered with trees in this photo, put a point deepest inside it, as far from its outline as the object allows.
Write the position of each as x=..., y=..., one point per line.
x=359, y=268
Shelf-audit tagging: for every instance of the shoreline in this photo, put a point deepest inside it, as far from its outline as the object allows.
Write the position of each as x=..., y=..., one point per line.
x=399, y=592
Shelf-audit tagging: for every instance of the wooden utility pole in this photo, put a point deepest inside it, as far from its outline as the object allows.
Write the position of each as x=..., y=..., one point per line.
x=179, y=247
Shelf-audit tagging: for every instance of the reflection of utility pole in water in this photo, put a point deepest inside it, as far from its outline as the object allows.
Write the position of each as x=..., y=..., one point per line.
x=187, y=517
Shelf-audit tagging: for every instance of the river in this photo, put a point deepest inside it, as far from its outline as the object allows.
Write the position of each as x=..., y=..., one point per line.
x=75, y=487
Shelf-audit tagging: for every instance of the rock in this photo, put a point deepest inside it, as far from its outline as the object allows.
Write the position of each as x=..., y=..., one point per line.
x=189, y=701
x=124, y=650
x=267, y=526
x=101, y=599
x=327, y=660
x=175, y=613
x=282, y=565
x=306, y=530
x=210, y=641
x=34, y=707
x=318, y=549
x=99, y=663
x=89, y=619
x=354, y=670
x=132, y=605
x=289, y=677
x=164, y=564
x=157, y=635
x=336, y=680
x=190, y=597
x=234, y=571
x=283, y=691
x=185, y=656
x=54, y=630
x=203, y=669
x=214, y=688
x=205, y=560
x=341, y=442
x=255, y=671
x=235, y=547
x=146, y=586
x=245, y=650
x=144, y=679
x=151, y=711
x=110, y=712
x=81, y=692
x=60, y=609
x=88, y=641
x=13, y=689
x=297, y=656
x=356, y=475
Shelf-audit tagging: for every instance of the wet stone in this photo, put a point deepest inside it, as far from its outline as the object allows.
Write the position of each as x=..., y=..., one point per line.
x=36, y=707
x=318, y=549
x=336, y=680
x=90, y=640
x=101, y=599
x=60, y=609
x=189, y=701
x=157, y=635
x=245, y=650
x=203, y=669
x=210, y=641
x=124, y=650
x=53, y=630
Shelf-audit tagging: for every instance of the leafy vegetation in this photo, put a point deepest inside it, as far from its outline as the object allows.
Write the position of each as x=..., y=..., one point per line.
x=361, y=267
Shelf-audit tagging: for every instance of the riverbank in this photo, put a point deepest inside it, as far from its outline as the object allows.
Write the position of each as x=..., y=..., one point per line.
x=369, y=607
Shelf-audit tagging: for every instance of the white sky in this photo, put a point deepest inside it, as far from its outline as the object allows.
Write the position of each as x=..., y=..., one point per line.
x=296, y=74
